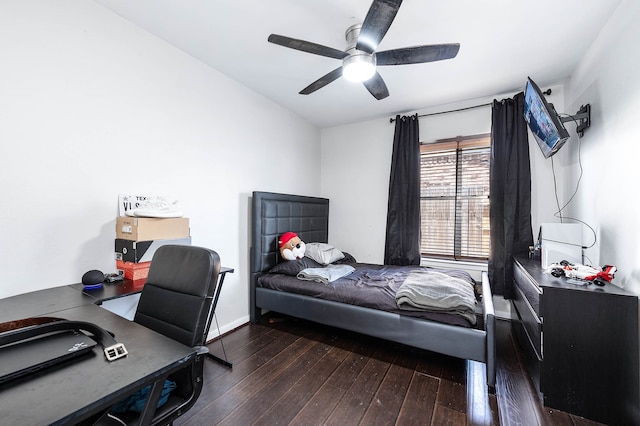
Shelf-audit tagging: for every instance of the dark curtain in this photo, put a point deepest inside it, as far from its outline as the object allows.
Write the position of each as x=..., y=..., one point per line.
x=402, y=244
x=509, y=193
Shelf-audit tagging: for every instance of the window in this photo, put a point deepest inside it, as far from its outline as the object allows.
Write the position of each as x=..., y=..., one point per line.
x=454, y=198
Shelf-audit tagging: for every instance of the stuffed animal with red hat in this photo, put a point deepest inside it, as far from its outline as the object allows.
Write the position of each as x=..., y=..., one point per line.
x=291, y=246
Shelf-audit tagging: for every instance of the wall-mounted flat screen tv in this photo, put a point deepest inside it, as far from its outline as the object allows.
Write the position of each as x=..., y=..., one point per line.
x=543, y=120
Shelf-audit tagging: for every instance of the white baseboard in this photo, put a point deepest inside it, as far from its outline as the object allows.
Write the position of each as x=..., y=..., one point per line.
x=225, y=328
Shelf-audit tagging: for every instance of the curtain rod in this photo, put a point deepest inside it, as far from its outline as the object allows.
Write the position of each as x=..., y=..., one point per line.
x=391, y=120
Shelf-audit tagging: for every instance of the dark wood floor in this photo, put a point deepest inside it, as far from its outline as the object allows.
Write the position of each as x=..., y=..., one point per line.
x=291, y=372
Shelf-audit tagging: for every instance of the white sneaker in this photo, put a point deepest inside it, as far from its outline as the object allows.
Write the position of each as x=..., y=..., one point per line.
x=156, y=207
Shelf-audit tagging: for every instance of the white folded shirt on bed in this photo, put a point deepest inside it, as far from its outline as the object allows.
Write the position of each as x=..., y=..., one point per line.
x=325, y=275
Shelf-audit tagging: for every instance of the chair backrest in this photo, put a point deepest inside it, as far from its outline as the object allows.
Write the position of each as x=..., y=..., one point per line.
x=177, y=297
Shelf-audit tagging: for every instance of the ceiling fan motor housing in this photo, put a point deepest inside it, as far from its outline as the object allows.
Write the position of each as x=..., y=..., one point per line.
x=357, y=65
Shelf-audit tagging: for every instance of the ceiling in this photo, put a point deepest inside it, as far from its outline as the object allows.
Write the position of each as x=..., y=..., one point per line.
x=502, y=42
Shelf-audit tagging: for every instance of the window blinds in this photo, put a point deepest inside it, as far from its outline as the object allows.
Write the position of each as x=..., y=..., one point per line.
x=454, y=197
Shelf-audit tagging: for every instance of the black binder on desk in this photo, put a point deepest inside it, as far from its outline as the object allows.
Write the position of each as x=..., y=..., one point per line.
x=29, y=356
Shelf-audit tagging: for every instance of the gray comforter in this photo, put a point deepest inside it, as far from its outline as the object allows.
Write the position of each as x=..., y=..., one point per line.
x=437, y=292
x=370, y=286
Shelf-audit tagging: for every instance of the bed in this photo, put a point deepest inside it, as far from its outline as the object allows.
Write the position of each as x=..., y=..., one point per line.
x=274, y=213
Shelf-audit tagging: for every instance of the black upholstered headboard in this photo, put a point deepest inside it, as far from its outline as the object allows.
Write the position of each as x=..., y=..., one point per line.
x=274, y=214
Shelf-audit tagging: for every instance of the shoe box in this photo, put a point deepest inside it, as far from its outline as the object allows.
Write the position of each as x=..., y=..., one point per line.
x=134, y=271
x=142, y=251
x=149, y=229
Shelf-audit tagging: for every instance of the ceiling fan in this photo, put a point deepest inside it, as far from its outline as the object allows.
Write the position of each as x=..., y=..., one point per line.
x=360, y=58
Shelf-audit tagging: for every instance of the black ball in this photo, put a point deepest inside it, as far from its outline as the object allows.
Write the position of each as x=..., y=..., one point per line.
x=92, y=277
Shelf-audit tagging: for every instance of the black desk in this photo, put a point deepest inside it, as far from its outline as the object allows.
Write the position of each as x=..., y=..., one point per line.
x=67, y=394
x=127, y=287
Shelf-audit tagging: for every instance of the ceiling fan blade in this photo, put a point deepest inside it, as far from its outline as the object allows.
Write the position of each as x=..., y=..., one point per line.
x=417, y=54
x=375, y=85
x=376, y=24
x=322, y=81
x=306, y=46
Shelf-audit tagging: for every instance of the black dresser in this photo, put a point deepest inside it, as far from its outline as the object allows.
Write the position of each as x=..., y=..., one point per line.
x=580, y=343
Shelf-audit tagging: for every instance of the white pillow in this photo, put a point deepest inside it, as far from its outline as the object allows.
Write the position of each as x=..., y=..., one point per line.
x=323, y=253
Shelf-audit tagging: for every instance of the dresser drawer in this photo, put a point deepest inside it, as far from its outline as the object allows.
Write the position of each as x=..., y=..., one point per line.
x=530, y=322
x=528, y=287
x=531, y=358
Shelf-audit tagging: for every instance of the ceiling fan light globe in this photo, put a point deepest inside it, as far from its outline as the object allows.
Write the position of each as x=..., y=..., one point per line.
x=358, y=71
x=358, y=67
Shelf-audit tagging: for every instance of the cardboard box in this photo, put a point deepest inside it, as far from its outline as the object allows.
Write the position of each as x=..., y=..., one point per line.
x=148, y=229
x=134, y=271
x=142, y=251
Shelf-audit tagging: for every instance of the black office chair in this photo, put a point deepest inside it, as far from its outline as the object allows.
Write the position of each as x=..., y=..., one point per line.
x=177, y=301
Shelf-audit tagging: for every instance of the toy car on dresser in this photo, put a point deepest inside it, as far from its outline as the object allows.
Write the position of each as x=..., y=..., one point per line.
x=586, y=273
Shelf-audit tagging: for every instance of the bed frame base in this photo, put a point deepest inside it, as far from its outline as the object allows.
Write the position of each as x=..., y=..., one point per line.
x=459, y=342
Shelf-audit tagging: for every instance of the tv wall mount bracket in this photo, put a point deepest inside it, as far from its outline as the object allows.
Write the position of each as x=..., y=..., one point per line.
x=582, y=118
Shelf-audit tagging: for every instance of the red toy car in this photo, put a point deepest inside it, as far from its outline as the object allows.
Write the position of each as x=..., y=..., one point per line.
x=583, y=272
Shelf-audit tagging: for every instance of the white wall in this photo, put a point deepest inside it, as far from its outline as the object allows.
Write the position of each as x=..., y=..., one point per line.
x=92, y=106
x=356, y=161
x=607, y=78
